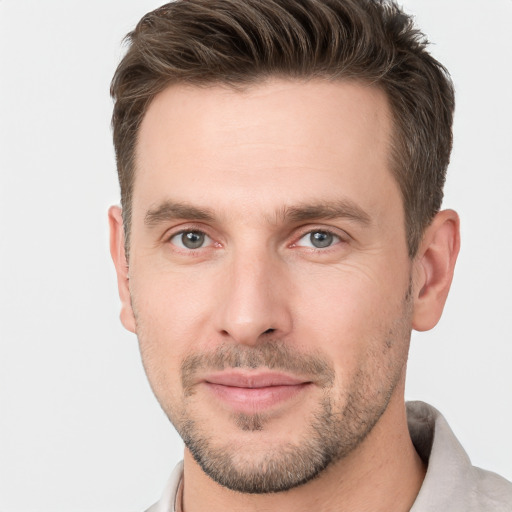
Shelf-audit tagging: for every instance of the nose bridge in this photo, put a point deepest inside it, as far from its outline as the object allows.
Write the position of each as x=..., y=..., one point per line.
x=254, y=302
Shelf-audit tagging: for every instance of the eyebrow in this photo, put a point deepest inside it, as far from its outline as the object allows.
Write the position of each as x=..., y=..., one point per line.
x=326, y=210
x=170, y=210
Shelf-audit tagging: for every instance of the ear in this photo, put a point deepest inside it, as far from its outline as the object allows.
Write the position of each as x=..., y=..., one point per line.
x=433, y=269
x=117, y=252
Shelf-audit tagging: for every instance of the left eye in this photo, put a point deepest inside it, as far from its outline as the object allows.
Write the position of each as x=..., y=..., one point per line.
x=190, y=240
x=318, y=239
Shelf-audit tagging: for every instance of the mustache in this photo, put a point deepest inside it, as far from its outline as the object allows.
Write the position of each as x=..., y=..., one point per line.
x=273, y=354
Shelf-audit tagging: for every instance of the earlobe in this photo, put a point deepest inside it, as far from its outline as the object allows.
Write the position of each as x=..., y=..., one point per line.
x=433, y=269
x=117, y=251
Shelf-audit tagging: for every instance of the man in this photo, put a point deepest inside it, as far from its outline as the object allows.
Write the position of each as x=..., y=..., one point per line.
x=281, y=165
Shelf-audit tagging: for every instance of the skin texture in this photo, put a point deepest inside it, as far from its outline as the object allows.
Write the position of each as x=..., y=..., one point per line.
x=249, y=177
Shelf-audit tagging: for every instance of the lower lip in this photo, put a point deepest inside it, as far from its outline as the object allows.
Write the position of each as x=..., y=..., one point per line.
x=253, y=400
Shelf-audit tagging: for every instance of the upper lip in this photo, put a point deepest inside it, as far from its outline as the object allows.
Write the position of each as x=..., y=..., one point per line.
x=254, y=379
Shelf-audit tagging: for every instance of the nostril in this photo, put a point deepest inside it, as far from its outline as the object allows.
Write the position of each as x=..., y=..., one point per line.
x=269, y=331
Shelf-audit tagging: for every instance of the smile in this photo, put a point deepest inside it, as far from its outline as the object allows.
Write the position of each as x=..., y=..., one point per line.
x=250, y=392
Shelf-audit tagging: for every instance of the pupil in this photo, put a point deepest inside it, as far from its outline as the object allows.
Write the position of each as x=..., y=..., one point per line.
x=192, y=239
x=321, y=239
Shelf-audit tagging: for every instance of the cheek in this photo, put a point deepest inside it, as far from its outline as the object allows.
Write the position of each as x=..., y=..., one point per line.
x=349, y=313
x=347, y=297
x=170, y=304
x=169, y=320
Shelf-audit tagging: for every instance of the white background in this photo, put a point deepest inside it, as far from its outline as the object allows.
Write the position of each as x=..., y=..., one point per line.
x=79, y=428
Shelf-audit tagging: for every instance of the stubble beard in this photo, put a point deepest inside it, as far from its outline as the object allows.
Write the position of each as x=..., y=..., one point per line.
x=329, y=437
x=333, y=430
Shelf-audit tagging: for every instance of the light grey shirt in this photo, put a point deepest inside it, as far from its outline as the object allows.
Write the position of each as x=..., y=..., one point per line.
x=451, y=484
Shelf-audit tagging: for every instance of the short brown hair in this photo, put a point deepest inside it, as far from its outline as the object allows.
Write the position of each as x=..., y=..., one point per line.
x=241, y=42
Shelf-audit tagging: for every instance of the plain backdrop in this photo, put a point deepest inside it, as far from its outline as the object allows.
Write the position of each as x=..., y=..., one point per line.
x=79, y=427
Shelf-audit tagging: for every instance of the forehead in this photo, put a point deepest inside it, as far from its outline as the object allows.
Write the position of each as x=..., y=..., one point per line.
x=280, y=140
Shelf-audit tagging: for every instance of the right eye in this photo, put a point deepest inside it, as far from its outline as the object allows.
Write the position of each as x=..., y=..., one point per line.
x=190, y=240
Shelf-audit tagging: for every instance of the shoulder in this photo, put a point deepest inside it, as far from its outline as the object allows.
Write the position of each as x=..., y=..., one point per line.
x=491, y=491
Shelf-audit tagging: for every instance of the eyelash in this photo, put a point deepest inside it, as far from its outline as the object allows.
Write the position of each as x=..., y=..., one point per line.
x=339, y=238
x=190, y=229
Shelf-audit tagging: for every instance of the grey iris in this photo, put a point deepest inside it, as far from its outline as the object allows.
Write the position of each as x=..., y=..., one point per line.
x=192, y=239
x=321, y=239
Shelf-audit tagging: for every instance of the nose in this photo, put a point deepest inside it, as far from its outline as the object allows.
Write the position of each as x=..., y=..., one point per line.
x=254, y=298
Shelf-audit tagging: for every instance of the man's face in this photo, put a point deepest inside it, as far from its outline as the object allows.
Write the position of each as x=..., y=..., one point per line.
x=269, y=275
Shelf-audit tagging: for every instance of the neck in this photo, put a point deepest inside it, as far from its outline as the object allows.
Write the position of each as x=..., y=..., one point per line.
x=383, y=473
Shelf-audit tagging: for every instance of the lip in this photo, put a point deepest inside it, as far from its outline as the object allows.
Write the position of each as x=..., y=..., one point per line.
x=252, y=380
x=254, y=392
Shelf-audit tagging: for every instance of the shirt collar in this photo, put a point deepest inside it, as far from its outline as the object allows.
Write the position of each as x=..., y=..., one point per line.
x=450, y=475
